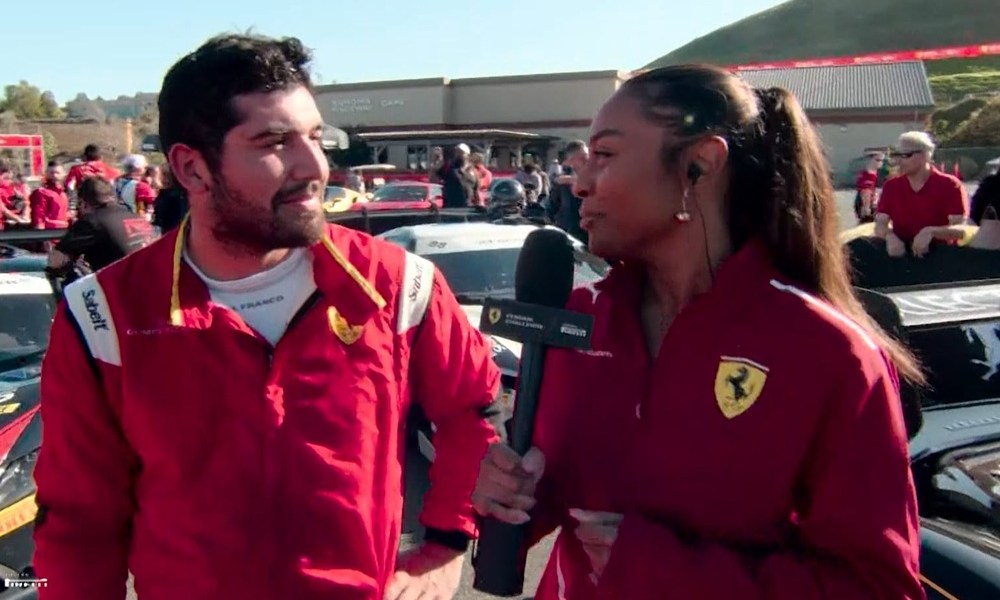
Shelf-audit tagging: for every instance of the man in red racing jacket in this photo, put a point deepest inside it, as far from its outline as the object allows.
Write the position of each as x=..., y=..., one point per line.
x=240, y=432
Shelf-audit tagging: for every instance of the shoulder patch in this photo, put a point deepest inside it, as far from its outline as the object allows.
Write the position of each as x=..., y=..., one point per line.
x=416, y=289
x=86, y=301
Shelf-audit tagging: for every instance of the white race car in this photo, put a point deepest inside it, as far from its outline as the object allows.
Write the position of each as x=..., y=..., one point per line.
x=479, y=260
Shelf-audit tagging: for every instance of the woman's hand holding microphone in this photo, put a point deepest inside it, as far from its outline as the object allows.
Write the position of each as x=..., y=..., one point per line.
x=506, y=491
x=507, y=481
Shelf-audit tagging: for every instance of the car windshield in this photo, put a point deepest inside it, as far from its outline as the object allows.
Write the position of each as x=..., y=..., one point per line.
x=474, y=275
x=397, y=193
x=25, y=320
x=335, y=193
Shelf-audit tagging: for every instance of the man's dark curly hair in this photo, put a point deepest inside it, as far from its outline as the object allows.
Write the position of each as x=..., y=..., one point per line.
x=196, y=101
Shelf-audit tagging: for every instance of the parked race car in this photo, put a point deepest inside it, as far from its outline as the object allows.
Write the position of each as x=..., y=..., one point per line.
x=403, y=195
x=338, y=199
x=946, y=308
x=478, y=260
x=27, y=306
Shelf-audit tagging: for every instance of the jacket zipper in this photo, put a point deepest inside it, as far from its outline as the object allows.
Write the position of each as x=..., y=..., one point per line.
x=273, y=516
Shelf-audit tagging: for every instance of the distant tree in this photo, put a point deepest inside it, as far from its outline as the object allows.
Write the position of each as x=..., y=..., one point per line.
x=83, y=107
x=50, y=107
x=28, y=102
x=50, y=145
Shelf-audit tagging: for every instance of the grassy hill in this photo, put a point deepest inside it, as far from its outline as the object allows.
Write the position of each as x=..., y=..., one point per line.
x=982, y=128
x=801, y=29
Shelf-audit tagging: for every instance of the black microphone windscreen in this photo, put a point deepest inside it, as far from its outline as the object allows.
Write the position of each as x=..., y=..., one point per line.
x=544, y=273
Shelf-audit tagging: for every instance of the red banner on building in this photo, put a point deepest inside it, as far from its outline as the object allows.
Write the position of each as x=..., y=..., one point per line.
x=878, y=57
x=34, y=144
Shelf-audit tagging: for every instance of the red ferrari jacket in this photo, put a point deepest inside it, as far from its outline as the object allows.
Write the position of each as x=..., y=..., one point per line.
x=761, y=454
x=179, y=445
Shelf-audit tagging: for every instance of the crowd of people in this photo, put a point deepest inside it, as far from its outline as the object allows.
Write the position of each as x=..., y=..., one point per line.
x=922, y=205
x=271, y=466
x=107, y=213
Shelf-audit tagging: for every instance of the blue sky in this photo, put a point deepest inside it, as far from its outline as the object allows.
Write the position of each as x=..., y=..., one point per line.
x=100, y=48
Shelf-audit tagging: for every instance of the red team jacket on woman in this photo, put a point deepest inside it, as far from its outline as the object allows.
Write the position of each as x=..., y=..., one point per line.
x=768, y=422
x=181, y=446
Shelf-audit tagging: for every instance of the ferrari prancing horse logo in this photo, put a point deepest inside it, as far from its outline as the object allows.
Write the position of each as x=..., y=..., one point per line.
x=341, y=328
x=738, y=384
x=494, y=315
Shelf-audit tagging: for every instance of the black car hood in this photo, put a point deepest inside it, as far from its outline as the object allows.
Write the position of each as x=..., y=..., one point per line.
x=956, y=463
x=953, y=427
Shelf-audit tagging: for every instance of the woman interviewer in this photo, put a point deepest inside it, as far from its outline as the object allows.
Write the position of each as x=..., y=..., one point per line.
x=736, y=429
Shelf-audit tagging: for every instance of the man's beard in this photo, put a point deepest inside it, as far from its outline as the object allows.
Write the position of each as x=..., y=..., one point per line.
x=243, y=223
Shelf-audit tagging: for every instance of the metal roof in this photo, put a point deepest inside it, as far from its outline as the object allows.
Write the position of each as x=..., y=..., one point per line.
x=883, y=86
x=447, y=134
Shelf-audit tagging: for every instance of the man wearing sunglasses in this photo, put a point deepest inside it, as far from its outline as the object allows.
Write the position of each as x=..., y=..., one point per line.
x=921, y=204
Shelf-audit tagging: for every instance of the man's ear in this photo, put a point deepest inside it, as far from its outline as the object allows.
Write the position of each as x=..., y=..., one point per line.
x=190, y=169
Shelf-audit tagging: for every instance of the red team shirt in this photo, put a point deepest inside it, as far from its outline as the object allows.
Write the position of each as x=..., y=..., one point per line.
x=95, y=168
x=910, y=211
x=49, y=208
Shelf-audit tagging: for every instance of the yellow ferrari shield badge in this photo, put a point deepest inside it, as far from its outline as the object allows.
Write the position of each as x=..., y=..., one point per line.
x=341, y=328
x=738, y=384
x=494, y=315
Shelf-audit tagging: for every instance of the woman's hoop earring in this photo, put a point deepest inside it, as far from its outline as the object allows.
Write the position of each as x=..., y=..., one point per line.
x=684, y=216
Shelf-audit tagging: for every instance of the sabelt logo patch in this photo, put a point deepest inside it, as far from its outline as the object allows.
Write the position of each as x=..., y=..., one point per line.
x=97, y=320
x=738, y=384
x=416, y=283
x=346, y=332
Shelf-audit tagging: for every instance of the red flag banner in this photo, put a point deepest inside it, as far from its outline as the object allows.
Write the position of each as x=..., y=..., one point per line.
x=879, y=57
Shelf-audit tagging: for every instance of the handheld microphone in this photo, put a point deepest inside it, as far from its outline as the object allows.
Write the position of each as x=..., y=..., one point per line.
x=542, y=282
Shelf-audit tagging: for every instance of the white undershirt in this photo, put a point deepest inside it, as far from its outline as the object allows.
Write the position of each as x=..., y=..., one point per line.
x=266, y=301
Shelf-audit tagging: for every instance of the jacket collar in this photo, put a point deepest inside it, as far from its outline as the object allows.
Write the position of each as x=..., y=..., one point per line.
x=737, y=280
x=335, y=276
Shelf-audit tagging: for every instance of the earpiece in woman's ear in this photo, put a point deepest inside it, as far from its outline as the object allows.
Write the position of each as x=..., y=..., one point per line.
x=694, y=173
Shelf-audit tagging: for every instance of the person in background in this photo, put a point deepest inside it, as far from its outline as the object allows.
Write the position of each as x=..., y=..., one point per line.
x=564, y=205
x=12, y=206
x=529, y=177
x=93, y=165
x=546, y=189
x=921, y=205
x=736, y=430
x=484, y=178
x=171, y=205
x=436, y=164
x=459, y=180
x=153, y=177
x=104, y=231
x=273, y=467
x=985, y=213
x=355, y=181
x=132, y=189
x=866, y=190
x=49, y=204
x=556, y=169
x=507, y=201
